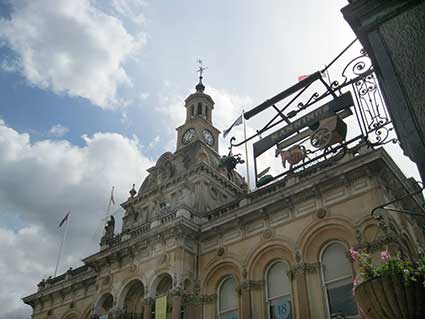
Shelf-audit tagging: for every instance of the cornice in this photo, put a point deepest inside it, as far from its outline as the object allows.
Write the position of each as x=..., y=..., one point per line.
x=128, y=247
x=64, y=286
x=292, y=191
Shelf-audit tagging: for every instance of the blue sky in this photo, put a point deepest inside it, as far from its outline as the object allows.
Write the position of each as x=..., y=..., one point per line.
x=92, y=91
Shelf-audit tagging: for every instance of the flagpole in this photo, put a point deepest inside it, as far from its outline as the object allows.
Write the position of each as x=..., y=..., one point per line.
x=327, y=75
x=246, y=152
x=109, y=203
x=61, y=245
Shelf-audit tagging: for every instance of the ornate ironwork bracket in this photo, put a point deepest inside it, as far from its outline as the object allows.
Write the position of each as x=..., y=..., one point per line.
x=385, y=207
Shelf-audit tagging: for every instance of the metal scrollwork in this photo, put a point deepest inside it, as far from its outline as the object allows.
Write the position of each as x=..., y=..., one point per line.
x=357, y=66
x=311, y=144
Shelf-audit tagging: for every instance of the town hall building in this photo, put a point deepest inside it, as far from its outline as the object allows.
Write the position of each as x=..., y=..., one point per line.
x=195, y=243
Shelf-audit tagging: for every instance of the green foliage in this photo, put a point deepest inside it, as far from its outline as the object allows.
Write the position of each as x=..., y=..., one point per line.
x=411, y=271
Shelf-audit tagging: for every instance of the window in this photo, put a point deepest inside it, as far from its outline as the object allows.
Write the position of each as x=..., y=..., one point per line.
x=103, y=308
x=199, y=112
x=192, y=110
x=337, y=277
x=133, y=301
x=228, y=304
x=278, y=291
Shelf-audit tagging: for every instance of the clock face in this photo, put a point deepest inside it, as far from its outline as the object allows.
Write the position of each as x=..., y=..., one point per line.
x=188, y=136
x=208, y=137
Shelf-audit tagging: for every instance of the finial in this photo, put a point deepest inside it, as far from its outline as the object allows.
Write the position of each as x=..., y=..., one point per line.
x=133, y=191
x=200, y=87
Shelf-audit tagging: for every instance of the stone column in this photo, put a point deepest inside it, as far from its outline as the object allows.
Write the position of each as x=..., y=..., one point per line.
x=147, y=308
x=245, y=290
x=177, y=303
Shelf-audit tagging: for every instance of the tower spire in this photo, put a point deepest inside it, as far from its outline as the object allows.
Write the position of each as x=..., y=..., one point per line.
x=200, y=87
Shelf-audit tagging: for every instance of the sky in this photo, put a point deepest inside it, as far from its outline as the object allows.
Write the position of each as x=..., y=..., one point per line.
x=92, y=91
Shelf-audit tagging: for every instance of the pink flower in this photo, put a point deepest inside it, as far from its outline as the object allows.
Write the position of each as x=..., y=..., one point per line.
x=355, y=284
x=356, y=281
x=385, y=255
x=353, y=253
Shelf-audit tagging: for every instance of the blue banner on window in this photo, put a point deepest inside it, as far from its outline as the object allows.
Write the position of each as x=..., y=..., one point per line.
x=281, y=309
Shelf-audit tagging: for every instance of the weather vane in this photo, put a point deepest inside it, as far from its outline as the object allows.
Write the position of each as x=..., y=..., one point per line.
x=201, y=68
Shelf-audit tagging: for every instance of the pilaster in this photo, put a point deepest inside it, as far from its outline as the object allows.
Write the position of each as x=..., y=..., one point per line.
x=147, y=309
x=298, y=272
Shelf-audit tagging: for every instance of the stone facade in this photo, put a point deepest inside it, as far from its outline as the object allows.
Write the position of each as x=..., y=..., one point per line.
x=193, y=224
x=392, y=33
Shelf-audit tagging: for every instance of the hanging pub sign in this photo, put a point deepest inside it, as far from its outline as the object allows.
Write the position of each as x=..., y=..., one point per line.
x=325, y=114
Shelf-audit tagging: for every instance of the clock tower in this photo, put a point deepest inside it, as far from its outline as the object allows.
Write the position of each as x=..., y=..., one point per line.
x=198, y=125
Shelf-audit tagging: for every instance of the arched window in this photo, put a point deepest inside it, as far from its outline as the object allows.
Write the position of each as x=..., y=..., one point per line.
x=208, y=114
x=337, y=276
x=278, y=291
x=103, y=308
x=133, y=301
x=199, y=111
x=192, y=110
x=228, y=303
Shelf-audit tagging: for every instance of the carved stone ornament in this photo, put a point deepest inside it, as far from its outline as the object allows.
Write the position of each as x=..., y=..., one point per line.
x=251, y=285
x=220, y=251
x=106, y=280
x=206, y=299
x=267, y=233
x=177, y=291
x=163, y=259
x=196, y=299
x=132, y=268
x=321, y=213
x=298, y=255
x=214, y=192
x=358, y=235
x=304, y=268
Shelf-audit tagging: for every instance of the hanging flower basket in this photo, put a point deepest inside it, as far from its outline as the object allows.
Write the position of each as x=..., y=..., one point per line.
x=389, y=297
x=394, y=288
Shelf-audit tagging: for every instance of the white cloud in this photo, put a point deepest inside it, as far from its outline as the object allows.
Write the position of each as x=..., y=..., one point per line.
x=70, y=47
x=22, y=256
x=132, y=9
x=39, y=182
x=143, y=96
x=57, y=130
x=154, y=142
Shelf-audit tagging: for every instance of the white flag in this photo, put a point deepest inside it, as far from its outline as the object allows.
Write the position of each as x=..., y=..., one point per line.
x=235, y=123
x=112, y=196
